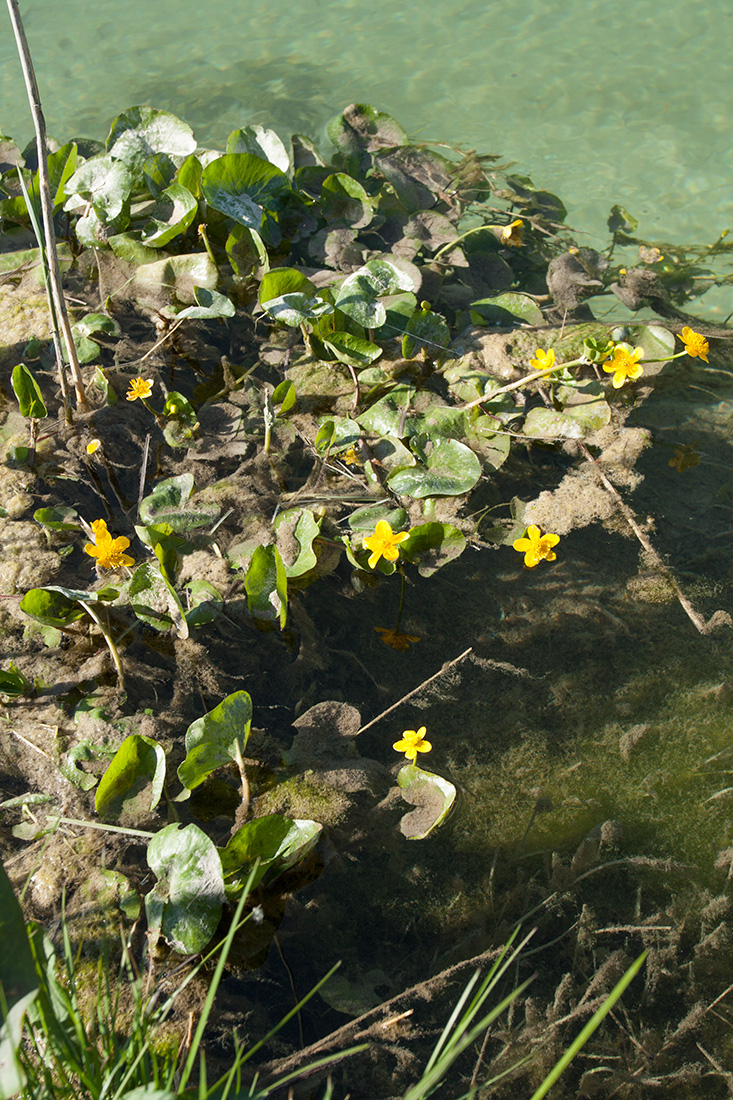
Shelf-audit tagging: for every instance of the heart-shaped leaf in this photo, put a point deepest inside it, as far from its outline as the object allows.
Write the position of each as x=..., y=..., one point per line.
x=219, y=737
x=133, y=783
x=431, y=795
x=185, y=904
x=450, y=469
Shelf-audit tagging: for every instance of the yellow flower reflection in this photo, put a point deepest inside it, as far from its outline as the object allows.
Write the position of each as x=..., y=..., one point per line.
x=536, y=547
x=411, y=743
x=544, y=360
x=684, y=458
x=139, y=387
x=696, y=345
x=107, y=551
x=624, y=366
x=384, y=543
x=395, y=639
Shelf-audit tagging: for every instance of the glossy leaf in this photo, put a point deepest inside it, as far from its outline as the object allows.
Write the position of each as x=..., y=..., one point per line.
x=301, y=525
x=425, y=330
x=13, y=683
x=51, y=608
x=432, y=545
x=359, y=294
x=431, y=795
x=155, y=602
x=507, y=309
x=133, y=783
x=344, y=200
x=140, y=132
x=450, y=469
x=105, y=183
x=174, y=211
x=204, y=603
x=267, y=588
x=242, y=186
x=352, y=349
x=261, y=143
x=28, y=393
x=177, y=276
x=209, y=304
x=219, y=737
x=185, y=904
x=277, y=842
x=169, y=503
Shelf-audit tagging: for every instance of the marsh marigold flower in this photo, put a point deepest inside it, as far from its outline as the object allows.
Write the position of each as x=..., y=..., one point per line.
x=512, y=234
x=93, y=446
x=139, y=388
x=411, y=743
x=535, y=546
x=384, y=543
x=696, y=345
x=107, y=551
x=625, y=365
x=544, y=360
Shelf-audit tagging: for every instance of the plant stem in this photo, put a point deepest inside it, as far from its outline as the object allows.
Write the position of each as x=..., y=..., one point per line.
x=56, y=295
x=110, y=644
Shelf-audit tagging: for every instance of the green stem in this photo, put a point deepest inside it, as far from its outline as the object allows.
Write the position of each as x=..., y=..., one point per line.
x=110, y=644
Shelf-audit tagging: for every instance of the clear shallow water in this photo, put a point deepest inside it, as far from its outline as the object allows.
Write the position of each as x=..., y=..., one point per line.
x=600, y=102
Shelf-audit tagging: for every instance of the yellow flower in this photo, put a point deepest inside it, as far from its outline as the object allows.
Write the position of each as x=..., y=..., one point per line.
x=93, y=446
x=625, y=364
x=350, y=457
x=105, y=549
x=139, y=388
x=544, y=360
x=684, y=458
x=413, y=742
x=384, y=543
x=535, y=546
x=696, y=345
x=512, y=234
x=395, y=639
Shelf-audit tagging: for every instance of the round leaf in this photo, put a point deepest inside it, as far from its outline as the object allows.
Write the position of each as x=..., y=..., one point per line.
x=140, y=132
x=242, y=186
x=185, y=904
x=451, y=469
x=218, y=738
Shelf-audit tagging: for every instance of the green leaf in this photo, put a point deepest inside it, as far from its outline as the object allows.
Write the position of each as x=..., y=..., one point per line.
x=77, y=776
x=133, y=783
x=189, y=175
x=336, y=434
x=583, y=411
x=105, y=183
x=243, y=186
x=185, y=904
x=362, y=128
x=28, y=392
x=169, y=503
x=450, y=469
x=51, y=608
x=246, y=249
x=219, y=737
x=140, y=132
x=427, y=330
x=174, y=211
x=431, y=795
x=344, y=201
x=432, y=545
x=204, y=603
x=359, y=294
x=284, y=398
x=19, y=983
x=61, y=165
x=13, y=683
x=352, y=349
x=294, y=309
x=657, y=342
x=267, y=588
x=506, y=309
x=261, y=143
x=159, y=172
x=155, y=602
x=366, y=519
x=177, y=276
x=302, y=525
x=284, y=280
x=210, y=304
x=58, y=518
x=277, y=842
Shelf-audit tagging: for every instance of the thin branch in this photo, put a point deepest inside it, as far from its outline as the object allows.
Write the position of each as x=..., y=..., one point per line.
x=440, y=672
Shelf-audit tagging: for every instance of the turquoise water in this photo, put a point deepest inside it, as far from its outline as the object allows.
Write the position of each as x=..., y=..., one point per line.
x=600, y=102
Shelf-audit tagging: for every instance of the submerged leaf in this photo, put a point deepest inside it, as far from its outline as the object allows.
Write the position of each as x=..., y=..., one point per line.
x=432, y=796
